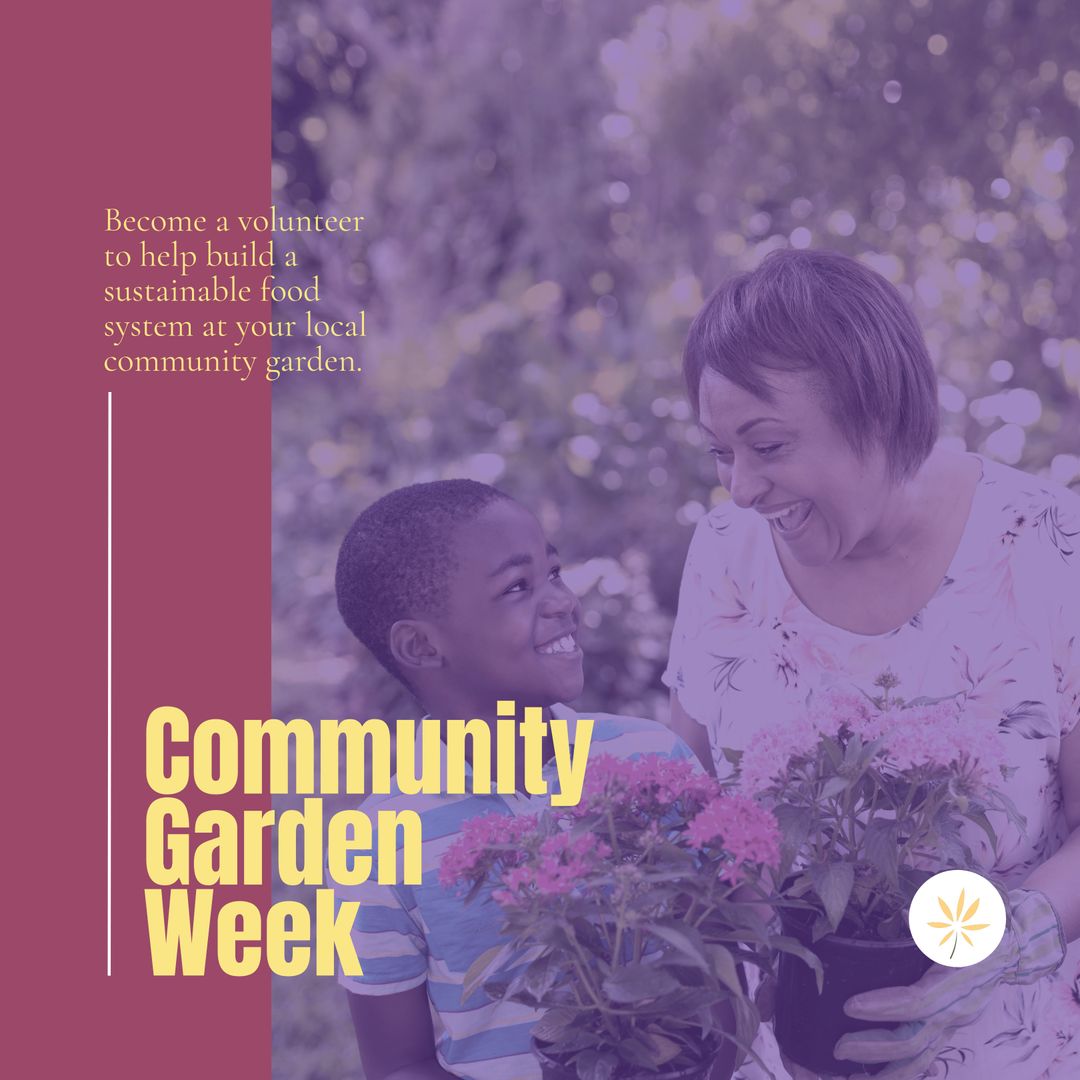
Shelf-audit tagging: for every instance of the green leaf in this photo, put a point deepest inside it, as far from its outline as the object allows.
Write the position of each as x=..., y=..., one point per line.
x=834, y=786
x=576, y=1038
x=593, y=1065
x=893, y=927
x=726, y=970
x=638, y=982
x=833, y=883
x=540, y=976
x=983, y=822
x=684, y=939
x=795, y=823
x=833, y=751
x=635, y=1051
x=554, y=1024
x=810, y=958
x=666, y=1048
x=880, y=844
x=688, y=1003
x=911, y=880
x=868, y=751
x=747, y=1022
x=483, y=967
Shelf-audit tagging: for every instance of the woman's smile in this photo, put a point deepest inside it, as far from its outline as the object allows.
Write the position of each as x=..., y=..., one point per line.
x=788, y=519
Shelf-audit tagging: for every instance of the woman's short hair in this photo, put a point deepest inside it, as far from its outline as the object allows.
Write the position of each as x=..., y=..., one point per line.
x=826, y=313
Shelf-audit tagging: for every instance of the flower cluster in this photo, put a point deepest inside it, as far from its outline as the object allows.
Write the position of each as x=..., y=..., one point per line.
x=631, y=807
x=887, y=786
x=773, y=748
x=932, y=736
x=603, y=903
x=910, y=737
x=562, y=861
x=484, y=842
x=744, y=829
x=649, y=787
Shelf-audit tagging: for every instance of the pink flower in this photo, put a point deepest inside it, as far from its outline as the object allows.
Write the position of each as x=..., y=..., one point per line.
x=745, y=829
x=838, y=709
x=648, y=786
x=482, y=842
x=772, y=749
x=563, y=862
x=937, y=736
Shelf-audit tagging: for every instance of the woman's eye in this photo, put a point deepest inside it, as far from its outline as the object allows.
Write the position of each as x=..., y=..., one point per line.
x=555, y=573
x=521, y=585
x=720, y=455
x=768, y=448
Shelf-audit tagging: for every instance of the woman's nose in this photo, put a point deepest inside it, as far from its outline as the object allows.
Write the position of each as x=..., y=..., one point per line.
x=746, y=485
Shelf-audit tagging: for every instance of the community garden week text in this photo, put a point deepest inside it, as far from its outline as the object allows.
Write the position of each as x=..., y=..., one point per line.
x=188, y=856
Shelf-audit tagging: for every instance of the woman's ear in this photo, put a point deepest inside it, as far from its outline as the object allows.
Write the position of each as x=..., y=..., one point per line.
x=413, y=645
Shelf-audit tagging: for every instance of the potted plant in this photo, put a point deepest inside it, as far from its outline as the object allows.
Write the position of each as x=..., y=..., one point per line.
x=627, y=918
x=873, y=795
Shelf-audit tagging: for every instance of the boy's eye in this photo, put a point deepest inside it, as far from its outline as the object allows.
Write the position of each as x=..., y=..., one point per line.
x=555, y=573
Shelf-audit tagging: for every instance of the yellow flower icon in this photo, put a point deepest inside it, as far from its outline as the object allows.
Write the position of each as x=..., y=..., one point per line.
x=959, y=925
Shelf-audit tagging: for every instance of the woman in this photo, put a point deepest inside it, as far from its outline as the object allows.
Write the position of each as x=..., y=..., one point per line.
x=853, y=544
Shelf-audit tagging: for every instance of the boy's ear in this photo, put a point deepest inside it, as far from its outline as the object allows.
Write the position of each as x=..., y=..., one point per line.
x=413, y=645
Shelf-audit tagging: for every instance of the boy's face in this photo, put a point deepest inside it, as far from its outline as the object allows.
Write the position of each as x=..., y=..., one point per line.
x=510, y=630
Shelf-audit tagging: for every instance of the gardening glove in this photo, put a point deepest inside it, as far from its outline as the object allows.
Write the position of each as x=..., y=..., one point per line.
x=946, y=998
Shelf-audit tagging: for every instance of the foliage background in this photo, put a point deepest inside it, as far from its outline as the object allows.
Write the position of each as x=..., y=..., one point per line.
x=550, y=188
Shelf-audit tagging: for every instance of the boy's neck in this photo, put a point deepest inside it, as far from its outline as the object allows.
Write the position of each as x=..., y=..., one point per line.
x=445, y=709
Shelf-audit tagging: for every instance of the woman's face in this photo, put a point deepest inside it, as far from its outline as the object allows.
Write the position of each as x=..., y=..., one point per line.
x=787, y=460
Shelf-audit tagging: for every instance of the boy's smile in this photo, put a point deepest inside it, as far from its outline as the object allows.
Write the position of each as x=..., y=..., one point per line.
x=510, y=628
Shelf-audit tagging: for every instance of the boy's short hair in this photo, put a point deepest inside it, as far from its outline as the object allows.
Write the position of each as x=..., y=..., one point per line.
x=396, y=560
x=826, y=313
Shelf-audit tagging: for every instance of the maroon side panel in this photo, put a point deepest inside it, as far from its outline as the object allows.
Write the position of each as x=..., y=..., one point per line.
x=149, y=108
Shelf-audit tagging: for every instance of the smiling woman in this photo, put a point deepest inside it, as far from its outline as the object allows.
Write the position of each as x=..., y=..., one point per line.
x=852, y=544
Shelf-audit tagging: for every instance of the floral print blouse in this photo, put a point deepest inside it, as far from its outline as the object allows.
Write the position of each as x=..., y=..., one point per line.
x=1001, y=637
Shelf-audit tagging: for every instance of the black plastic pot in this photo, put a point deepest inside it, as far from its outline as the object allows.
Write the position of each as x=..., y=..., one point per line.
x=808, y=1024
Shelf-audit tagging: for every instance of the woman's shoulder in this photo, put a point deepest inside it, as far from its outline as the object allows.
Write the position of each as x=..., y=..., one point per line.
x=1033, y=513
x=1016, y=483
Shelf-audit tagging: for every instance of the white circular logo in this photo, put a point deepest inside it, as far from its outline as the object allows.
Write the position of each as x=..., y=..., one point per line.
x=957, y=918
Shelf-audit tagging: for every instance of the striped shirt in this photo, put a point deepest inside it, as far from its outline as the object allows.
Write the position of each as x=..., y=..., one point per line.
x=410, y=935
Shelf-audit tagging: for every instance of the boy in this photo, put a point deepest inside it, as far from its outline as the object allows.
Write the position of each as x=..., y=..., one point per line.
x=454, y=588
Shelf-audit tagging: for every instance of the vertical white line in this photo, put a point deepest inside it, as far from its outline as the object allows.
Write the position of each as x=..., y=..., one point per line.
x=108, y=689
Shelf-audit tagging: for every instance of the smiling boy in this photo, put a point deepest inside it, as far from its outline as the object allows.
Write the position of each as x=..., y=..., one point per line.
x=455, y=589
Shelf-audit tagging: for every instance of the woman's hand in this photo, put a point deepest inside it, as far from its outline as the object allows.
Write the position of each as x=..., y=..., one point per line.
x=947, y=998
